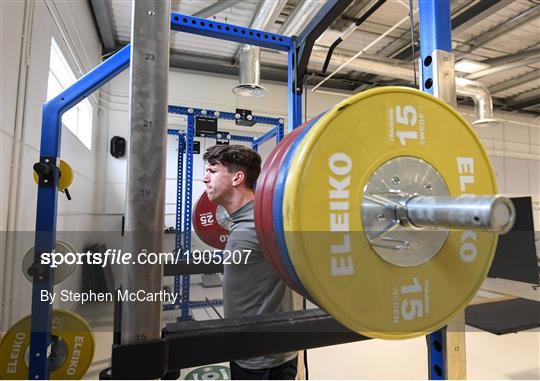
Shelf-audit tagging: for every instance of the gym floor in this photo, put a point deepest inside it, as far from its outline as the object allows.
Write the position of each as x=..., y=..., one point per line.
x=511, y=356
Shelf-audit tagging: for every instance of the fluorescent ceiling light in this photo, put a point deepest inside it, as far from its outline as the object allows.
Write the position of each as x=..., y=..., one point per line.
x=469, y=66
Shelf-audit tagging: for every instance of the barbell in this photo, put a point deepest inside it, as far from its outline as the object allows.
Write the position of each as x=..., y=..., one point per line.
x=383, y=211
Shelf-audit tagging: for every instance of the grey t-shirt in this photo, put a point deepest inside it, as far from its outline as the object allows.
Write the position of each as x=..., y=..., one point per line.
x=252, y=287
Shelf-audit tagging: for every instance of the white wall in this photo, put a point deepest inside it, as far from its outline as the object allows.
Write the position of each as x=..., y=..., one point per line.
x=24, y=89
x=12, y=16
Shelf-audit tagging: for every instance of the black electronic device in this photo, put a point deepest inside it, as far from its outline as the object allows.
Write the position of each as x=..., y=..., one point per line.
x=222, y=138
x=205, y=126
x=196, y=147
x=244, y=117
x=515, y=258
x=118, y=146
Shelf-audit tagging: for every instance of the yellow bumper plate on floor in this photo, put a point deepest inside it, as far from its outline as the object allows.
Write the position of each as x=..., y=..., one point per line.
x=72, y=348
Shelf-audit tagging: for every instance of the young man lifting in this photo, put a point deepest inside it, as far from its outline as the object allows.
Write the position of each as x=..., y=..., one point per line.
x=252, y=287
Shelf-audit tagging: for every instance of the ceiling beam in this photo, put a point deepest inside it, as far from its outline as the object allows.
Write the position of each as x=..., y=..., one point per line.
x=102, y=15
x=499, y=68
x=512, y=57
x=215, y=8
x=478, y=12
x=518, y=81
x=350, y=15
x=528, y=99
x=503, y=28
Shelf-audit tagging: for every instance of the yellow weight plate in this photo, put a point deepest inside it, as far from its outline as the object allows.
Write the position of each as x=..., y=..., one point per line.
x=72, y=348
x=323, y=202
x=66, y=176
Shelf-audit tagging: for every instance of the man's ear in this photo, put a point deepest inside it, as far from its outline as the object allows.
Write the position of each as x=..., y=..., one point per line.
x=238, y=178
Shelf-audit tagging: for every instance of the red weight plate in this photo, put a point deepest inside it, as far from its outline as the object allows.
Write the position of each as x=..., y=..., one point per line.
x=210, y=222
x=264, y=197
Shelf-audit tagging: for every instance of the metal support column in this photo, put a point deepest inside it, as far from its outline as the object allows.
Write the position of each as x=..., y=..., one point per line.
x=190, y=133
x=446, y=347
x=280, y=133
x=178, y=220
x=294, y=88
x=145, y=200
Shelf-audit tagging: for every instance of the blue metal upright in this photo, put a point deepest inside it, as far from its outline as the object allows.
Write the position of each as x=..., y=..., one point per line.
x=437, y=367
x=179, y=185
x=47, y=202
x=190, y=134
x=435, y=36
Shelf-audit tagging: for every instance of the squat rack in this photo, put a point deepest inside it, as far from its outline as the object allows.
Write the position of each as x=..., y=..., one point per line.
x=185, y=142
x=435, y=30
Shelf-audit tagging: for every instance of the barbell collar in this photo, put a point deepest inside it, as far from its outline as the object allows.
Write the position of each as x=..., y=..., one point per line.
x=488, y=213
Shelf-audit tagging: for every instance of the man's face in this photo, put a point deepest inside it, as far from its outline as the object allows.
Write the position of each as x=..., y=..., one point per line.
x=219, y=182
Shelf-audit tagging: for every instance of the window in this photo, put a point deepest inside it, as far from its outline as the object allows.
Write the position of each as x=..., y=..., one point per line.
x=78, y=119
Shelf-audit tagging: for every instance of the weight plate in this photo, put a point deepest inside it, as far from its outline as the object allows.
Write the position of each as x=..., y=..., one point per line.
x=66, y=176
x=321, y=209
x=277, y=201
x=215, y=372
x=211, y=222
x=72, y=348
x=264, y=220
x=61, y=272
x=263, y=229
x=65, y=179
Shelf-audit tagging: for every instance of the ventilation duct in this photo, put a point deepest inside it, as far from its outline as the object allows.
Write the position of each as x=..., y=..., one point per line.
x=250, y=56
x=482, y=100
x=365, y=65
x=464, y=87
x=300, y=17
x=250, y=72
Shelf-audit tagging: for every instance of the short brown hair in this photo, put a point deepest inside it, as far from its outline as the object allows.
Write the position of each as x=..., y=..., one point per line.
x=236, y=157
